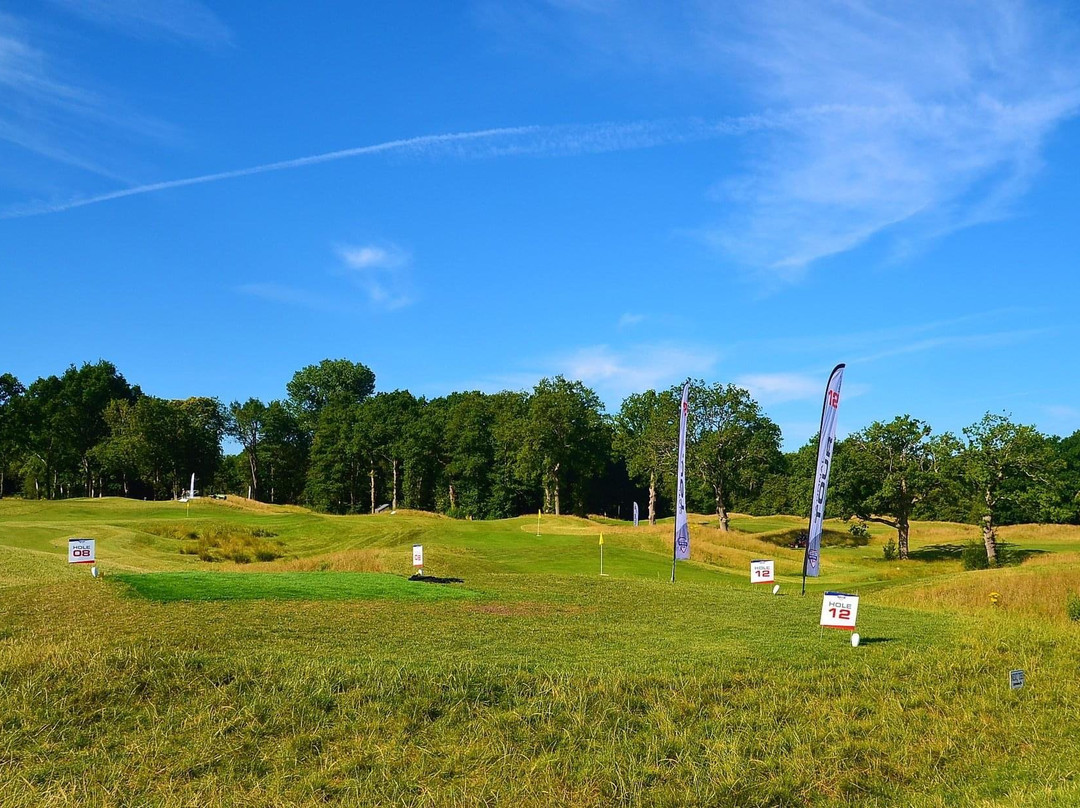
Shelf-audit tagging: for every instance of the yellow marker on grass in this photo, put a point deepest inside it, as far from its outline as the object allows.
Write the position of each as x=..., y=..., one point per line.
x=601, y=553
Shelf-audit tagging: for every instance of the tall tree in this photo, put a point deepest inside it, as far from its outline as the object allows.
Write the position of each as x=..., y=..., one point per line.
x=245, y=423
x=1008, y=465
x=11, y=392
x=563, y=436
x=646, y=437
x=313, y=387
x=284, y=453
x=334, y=469
x=389, y=415
x=884, y=471
x=733, y=445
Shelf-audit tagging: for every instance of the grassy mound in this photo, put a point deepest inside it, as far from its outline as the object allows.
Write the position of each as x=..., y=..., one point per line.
x=221, y=541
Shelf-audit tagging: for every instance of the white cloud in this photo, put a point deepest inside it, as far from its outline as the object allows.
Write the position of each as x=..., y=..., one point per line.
x=46, y=110
x=373, y=257
x=911, y=118
x=776, y=388
x=382, y=271
x=615, y=374
x=628, y=320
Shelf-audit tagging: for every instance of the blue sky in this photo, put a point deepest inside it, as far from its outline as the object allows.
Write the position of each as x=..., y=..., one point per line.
x=475, y=195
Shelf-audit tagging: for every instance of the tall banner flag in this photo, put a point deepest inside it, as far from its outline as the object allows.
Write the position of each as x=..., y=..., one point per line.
x=682, y=525
x=826, y=441
x=635, y=514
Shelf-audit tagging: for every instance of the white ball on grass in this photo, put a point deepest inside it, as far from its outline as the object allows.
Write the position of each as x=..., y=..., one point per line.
x=854, y=639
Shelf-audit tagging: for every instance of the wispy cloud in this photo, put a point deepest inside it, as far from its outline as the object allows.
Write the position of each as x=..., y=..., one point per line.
x=381, y=271
x=630, y=319
x=776, y=388
x=912, y=119
x=295, y=296
x=551, y=141
x=942, y=110
x=47, y=110
x=616, y=373
x=175, y=19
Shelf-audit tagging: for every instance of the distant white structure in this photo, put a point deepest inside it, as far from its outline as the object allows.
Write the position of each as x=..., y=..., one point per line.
x=191, y=491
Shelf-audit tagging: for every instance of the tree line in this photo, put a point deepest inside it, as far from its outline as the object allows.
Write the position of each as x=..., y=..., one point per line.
x=335, y=444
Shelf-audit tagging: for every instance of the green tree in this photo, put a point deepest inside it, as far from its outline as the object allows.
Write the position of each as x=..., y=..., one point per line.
x=1008, y=465
x=646, y=436
x=881, y=473
x=11, y=392
x=245, y=423
x=313, y=387
x=563, y=437
x=283, y=453
x=334, y=468
x=732, y=444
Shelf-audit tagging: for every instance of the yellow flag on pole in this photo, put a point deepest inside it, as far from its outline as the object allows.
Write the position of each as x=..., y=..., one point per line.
x=601, y=538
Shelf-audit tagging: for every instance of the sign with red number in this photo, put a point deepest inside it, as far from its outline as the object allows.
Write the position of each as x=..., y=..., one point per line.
x=761, y=572
x=839, y=610
x=80, y=551
x=418, y=555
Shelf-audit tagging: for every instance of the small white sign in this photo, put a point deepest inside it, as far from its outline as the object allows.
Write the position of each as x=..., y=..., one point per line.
x=839, y=610
x=761, y=572
x=81, y=551
x=418, y=555
x=1016, y=680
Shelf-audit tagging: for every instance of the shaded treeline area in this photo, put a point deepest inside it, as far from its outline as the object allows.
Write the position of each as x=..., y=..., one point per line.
x=334, y=443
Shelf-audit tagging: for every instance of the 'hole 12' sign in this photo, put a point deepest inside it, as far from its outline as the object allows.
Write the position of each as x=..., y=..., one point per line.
x=418, y=557
x=761, y=572
x=839, y=610
x=80, y=551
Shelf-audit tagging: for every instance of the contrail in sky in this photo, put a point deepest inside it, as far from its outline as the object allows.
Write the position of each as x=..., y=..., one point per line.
x=505, y=141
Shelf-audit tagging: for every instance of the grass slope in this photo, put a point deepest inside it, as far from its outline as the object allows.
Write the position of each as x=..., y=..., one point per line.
x=550, y=686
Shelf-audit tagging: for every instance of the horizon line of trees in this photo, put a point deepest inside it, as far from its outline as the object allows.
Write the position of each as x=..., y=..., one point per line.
x=337, y=445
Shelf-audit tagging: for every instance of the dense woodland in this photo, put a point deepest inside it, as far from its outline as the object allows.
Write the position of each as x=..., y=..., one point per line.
x=337, y=445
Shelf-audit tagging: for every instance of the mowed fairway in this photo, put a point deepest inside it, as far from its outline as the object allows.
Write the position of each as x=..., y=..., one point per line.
x=325, y=677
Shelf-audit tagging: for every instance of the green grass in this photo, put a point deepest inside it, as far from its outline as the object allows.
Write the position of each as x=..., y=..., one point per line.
x=165, y=587
x=176, y=682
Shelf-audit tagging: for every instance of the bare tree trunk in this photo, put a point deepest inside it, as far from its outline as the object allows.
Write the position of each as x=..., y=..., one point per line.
x=393, y=501
x=555, y=487
x=652, y=498
x=372, y=475
x=903, y=529
x=721, y=512
x=453, y=498
x=547, y=497
x=989, y=535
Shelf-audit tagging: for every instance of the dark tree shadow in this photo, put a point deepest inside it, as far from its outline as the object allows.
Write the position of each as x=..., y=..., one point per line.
x=937, y=552
x=874, y=640
x=1008, y=554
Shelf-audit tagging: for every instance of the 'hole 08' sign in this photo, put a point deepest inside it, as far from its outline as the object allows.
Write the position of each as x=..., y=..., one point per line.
x=839, y=610
x=81, y=551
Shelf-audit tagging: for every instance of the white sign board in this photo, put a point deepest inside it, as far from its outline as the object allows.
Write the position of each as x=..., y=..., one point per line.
x=418, y=555
x=839, y=610
x=1016, y=680
x=81, y=551
x=761, y=572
